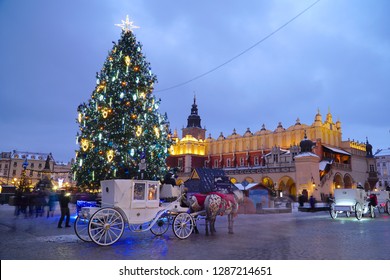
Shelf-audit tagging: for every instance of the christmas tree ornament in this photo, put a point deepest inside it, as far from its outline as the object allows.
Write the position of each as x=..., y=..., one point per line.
x=127, y=26
x=105, y=112
x=127, y=60
x=138, y=131
x=110, y=155
x=157, y=131
x=84, y=144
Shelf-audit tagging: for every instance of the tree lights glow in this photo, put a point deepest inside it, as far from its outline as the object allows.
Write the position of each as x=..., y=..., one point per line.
x=120, y=125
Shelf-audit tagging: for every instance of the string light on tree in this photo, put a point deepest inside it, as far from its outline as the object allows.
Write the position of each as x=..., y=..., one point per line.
x=120, y=126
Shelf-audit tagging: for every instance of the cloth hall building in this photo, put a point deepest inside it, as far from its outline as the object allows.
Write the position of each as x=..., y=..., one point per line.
x=309, y=159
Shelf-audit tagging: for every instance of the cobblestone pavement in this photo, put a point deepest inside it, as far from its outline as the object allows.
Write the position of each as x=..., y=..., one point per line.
x=297, y=236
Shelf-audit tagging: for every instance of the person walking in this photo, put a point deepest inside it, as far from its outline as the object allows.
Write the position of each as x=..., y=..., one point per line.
x=312, y=202
x=65, y=212
x=51, y=200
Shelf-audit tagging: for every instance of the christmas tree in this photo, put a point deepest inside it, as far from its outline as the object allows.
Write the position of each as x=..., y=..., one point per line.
x=122, y=134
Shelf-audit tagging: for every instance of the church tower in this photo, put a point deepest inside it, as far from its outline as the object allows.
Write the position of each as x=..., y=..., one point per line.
x=194, y=127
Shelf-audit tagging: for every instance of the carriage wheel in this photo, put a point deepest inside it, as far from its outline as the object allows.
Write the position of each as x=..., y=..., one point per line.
x=348, y=214
x=372, y=212
x=106, y=226
x=387, y=207
x=161, y=226
x=332, y=211
x=183, y=225
x=81, y=229
x=358, y=211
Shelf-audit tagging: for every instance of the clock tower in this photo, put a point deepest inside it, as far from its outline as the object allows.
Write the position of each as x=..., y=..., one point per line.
x=194, y=127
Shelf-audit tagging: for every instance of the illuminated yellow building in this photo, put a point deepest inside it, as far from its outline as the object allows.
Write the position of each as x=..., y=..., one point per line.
x=274, y=158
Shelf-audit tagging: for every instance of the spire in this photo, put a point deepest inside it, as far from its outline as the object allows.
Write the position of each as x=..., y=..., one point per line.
x=194, y=127
x=329, y=117
x=194, y=119
x=318, y=118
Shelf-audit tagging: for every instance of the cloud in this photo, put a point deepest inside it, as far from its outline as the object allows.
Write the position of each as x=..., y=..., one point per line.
x=334, y=57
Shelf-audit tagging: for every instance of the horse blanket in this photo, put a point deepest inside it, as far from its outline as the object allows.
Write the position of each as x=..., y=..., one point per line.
x=198, y=205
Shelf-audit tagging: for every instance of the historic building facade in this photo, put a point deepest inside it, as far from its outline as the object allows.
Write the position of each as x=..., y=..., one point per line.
x=276, y=158
x=37, y=166
x=382, y=158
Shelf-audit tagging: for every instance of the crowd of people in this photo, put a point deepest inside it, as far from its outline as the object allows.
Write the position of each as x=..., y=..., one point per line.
x=43, y=203
x=35, y=204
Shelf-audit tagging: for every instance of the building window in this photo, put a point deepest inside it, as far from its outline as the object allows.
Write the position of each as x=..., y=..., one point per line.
x=228, y=162
x=40, y=165
x=5, y=166
x=32, y=165
x=242, y=161
x=216, y=163
x=13, y=172
x=15, y=164
x=31, y=173
x=372, y=169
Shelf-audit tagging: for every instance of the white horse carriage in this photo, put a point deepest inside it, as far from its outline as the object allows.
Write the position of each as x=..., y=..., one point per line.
x=351, y=201
x=137, y=204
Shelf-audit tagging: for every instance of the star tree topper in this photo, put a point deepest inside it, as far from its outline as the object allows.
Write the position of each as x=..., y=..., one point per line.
x=127, y=25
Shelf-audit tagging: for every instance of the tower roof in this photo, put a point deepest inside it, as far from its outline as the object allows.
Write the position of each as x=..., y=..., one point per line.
x=194, y=119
